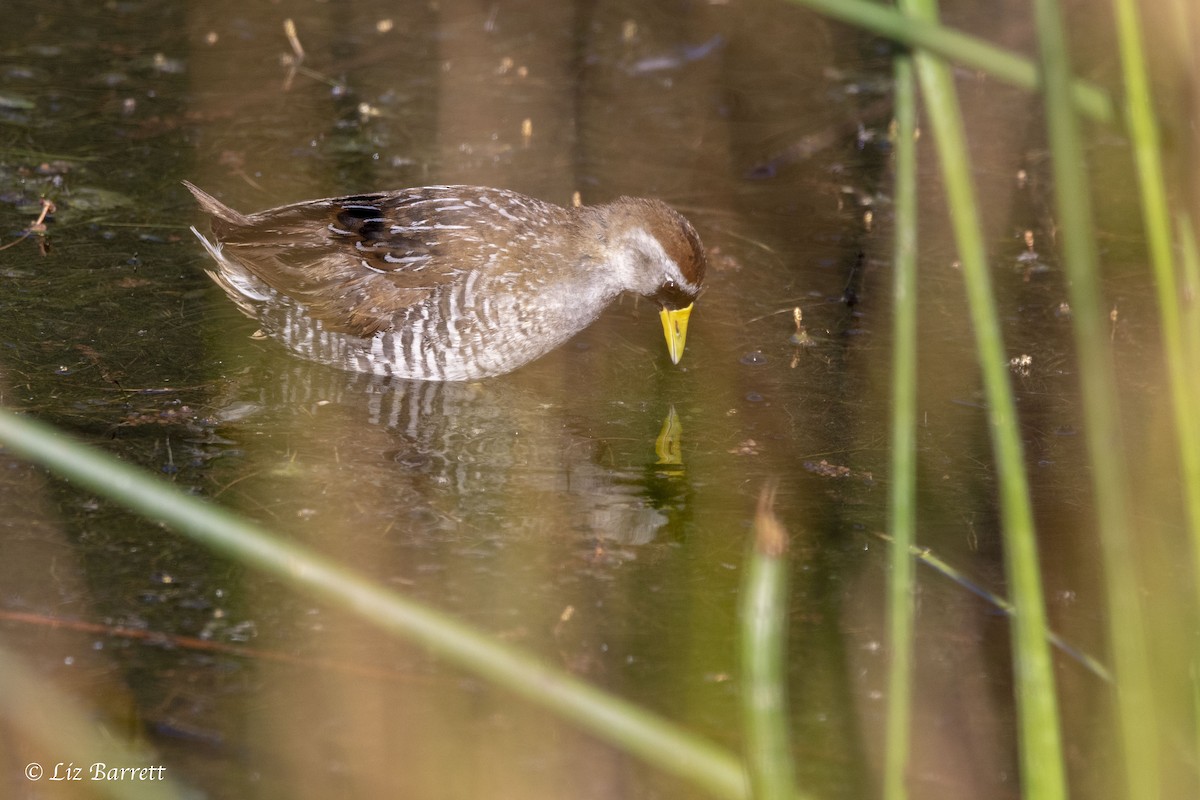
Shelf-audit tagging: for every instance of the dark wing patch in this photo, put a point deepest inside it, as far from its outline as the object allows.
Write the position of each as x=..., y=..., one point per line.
x=355, y=263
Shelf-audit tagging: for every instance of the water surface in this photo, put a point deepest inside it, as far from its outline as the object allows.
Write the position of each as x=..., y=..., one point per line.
x=533, y=505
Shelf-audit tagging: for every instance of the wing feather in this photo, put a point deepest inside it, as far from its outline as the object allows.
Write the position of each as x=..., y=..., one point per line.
x=357, y=263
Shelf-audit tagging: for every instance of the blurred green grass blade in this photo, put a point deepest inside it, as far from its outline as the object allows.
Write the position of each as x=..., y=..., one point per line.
x=1177, y=291
x=763, y=612
x=1146, y=138
x=902, y=498
x=960, y=48
x=1190, y=257
x=657, y=741
x=1135, y=701
x=49, y=721
x=1040, y=741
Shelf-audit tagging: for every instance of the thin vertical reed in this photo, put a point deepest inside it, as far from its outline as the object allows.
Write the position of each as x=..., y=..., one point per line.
x=1040, y=743
x=1146, y=138
x=1176, y=291
x=1189, y=256
x=902, y=500
x=1135, y=701
x=1190, y=260
x=764, y=657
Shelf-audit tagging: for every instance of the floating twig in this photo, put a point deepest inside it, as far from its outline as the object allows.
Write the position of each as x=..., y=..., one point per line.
x=297, y=58
x=295, y=61
x=289, y=28
x=36, y=228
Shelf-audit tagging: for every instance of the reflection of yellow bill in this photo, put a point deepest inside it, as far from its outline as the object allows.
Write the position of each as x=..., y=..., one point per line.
x=669, y=444
x=674, y=322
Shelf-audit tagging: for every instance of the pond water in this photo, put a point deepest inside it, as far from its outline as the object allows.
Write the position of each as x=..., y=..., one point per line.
x=535, y=505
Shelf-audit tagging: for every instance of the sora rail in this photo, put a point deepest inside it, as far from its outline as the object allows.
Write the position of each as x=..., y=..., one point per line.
x=448, y=283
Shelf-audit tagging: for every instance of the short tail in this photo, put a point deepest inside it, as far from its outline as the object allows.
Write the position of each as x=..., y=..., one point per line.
x=215, y=208
x=242, y=286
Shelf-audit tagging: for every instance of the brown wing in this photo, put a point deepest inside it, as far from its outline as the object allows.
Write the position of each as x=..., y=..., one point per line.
x=356, y=262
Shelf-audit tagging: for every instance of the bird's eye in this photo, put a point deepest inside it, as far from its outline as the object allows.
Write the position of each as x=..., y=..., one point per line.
x=672, y=286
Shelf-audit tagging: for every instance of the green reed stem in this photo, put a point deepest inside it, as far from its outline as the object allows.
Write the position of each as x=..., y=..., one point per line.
x=1146, y=138
x=1042, y=769
x=658, y=742
x=902, y=499
x=1190, y=259
x=763, y=615
x=1189, y=256
x=1180, y=339
x=960, y=48
x=1135, y=702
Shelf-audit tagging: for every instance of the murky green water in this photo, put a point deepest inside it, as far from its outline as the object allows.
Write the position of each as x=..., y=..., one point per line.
x=532, y=505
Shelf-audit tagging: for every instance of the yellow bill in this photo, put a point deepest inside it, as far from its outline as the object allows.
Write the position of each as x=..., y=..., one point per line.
x=675, y=322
